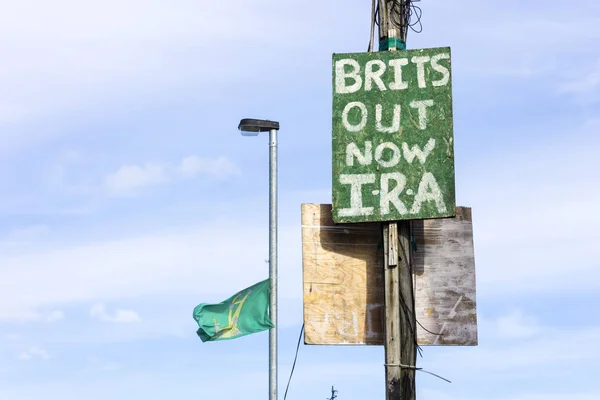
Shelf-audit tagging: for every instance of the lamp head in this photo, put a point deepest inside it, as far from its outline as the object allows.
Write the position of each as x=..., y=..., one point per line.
x=252, y=127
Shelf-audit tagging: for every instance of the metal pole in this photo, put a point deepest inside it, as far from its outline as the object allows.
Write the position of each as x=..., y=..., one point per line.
x=273, y=263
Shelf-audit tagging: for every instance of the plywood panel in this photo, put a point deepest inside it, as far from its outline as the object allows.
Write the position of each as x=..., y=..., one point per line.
x=444, y=280
x=343, y=280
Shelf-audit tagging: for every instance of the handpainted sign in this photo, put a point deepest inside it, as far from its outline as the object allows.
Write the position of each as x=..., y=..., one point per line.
x=393, y=142
x=342, y=268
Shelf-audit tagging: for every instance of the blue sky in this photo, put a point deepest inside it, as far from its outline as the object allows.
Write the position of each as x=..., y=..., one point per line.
x=128, y=195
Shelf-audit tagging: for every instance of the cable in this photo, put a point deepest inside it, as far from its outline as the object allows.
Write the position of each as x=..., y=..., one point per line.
x=418, y=12
x=427, y=330
x=409, y=311
x=372, y=26
x=403, y=18
x=401, y=14
x=417, y=369
x=294, y=364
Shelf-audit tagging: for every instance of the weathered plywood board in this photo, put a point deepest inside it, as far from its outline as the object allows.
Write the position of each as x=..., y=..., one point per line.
x=343, y=280
x=392, y=136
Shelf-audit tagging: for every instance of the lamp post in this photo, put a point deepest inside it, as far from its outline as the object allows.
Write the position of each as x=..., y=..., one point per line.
x=252, y=127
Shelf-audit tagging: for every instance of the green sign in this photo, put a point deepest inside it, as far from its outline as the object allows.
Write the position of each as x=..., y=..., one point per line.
x=393, y=143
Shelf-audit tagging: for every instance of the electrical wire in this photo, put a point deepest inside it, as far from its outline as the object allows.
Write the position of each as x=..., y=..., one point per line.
x=294, y=364
x=417, y=369
x=373, y=11
x=418, y=13
x=402, y=14
x=427, y=330
x=405, y=14
x=409, y=311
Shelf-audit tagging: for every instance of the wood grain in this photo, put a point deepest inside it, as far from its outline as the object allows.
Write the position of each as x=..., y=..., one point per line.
x=343, y=280
x=391, y=298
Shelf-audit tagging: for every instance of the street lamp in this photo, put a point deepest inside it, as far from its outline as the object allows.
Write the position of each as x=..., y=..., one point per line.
x=252, y=127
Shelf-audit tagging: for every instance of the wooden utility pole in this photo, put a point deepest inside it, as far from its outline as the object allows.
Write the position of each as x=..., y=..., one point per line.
x=408, y=328
x=400, y=322
x=400, y=329
x=393, y=341
x=393, y=26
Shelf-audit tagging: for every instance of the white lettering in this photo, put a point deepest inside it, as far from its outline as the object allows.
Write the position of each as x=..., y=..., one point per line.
x=428, y=191
x=420, y=61
x=441, y=69
x=322, y=327
x=356, y=207
x=394, y=160
x=348, y=324
x=352, y=151
x=410, y=154
x=374, y=75
x=395, y=127
x=393, y=196
x=371, y=332
x=341, y=75
x=398, y=83
x=363, y=116
x=422, y=105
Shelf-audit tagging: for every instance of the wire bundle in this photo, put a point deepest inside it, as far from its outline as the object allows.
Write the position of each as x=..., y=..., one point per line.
x=400, y=14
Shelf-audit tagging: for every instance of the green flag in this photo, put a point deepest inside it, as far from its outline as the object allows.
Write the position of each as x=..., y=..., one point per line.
x=244, y=313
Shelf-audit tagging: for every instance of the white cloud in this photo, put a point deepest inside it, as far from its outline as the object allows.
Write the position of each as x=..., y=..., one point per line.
x=220, y=167
x=29, y=232
x=553, y=396
x=558, y=358
x=64, y=56
x=33, y=353
x=131, y=177
x=35, y=316
x=535, y=210
x=551, y=346
x=56, y=315
x=99, y=312
x=154, y=265
x=585, y=81
x=110, y=366
x=23, y=236
x=542, y=394
x=583, y=84
x=516, y=325
x=100, y=365
x=518, y=45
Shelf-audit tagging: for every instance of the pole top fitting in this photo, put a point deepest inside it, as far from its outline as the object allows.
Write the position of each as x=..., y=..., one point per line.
x=391, y=43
